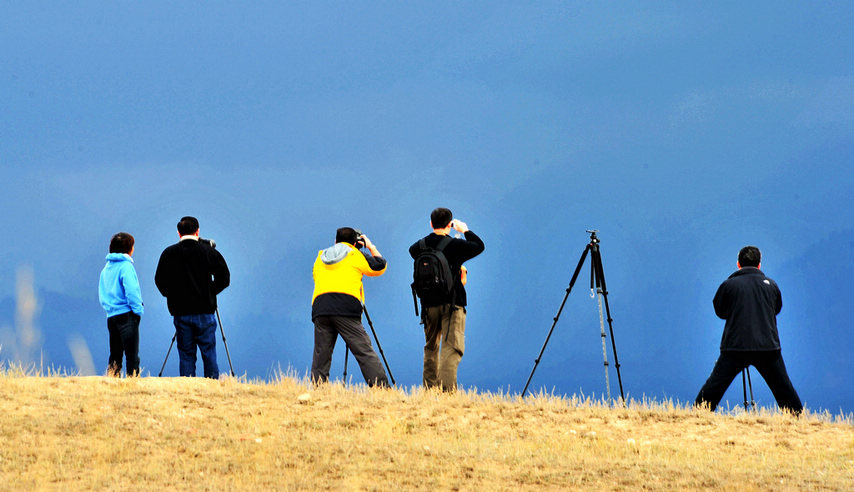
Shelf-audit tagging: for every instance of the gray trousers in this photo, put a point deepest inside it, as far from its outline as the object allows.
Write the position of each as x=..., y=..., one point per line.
x=326, y=331
x=445, y=343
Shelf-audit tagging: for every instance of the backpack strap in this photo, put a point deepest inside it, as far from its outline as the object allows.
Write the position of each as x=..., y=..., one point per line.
x=422, y=245
x=443, y=243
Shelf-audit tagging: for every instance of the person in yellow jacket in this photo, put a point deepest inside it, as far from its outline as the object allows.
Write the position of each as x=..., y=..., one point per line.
x=336, y=305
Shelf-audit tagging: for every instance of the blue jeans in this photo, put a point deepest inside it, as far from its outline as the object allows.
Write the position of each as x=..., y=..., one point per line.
x=196, y=330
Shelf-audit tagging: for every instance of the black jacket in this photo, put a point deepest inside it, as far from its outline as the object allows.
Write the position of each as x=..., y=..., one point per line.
x=190, y=274
x=456, y=252
x=749, y=302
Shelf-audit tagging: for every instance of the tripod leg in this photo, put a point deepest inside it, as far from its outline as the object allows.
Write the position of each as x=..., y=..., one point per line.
x=604, y=346
x=346, y=357
x=379, y=347
x=221, y=330
x=750, y=385
x=167, y=353
x=597, y=262
x=744, y=386
x=557, y=316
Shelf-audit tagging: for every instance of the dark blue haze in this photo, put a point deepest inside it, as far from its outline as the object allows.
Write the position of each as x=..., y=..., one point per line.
x=681, y=132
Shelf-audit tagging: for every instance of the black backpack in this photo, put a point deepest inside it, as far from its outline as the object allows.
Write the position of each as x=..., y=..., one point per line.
x=432, y=277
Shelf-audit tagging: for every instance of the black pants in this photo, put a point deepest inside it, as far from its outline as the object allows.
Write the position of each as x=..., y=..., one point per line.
x=769, y=364
x=326, y=331
x=124, y=341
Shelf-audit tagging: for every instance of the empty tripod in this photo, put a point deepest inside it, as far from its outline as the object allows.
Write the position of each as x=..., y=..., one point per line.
x=597, y=285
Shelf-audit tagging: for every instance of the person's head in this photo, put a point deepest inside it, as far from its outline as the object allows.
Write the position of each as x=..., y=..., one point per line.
x=121, y=243
x=188, y=226
x=346, y=235
x=441, y=218
x=749, y=256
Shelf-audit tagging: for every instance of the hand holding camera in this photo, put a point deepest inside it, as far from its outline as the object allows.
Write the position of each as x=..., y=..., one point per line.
x=460, y=226
x=360, y=240
x=364, y=241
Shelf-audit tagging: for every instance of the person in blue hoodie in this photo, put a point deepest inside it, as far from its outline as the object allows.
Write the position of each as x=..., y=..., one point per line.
x=120, y=296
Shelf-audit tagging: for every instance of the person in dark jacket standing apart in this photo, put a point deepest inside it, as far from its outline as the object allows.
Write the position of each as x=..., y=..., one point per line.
x=337, y=303
x=190, y=274
x=749, y=302
x=445, y=319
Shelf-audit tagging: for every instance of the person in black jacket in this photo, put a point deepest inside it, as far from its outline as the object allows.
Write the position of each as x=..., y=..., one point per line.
x=190, y=274
x=445, y=319
x=749, y=302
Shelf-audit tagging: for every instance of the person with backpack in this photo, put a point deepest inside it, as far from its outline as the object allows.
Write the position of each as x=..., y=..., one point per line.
x=438, y=282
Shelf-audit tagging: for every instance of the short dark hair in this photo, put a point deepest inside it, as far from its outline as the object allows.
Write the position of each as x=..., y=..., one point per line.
x=121, y=242
x=188, y=225
x=346, y=235
x=749, y=256
x=441, y=217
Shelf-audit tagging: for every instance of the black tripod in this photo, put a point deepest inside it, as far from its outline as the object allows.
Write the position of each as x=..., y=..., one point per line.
x=597, y=286
x=219, y=320
x=746, y=383
x=379, y=347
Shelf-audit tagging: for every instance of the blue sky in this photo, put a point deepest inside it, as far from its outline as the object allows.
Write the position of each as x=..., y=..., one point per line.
x=681, y=132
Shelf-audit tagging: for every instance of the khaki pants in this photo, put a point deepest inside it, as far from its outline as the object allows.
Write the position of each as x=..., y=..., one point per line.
x=444, y=333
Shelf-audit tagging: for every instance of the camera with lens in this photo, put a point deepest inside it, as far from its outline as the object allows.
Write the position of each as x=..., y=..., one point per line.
x=360, y=242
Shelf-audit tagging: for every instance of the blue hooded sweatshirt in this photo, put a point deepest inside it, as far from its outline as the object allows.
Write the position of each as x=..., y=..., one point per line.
x=118, y=288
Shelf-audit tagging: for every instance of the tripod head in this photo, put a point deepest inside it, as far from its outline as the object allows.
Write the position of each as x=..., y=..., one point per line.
x=593, y=238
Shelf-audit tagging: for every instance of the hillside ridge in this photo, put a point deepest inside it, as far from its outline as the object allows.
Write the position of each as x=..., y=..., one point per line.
x=193, y=433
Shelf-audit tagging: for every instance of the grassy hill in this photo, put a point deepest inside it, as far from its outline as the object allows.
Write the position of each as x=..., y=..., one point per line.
x=81, y=433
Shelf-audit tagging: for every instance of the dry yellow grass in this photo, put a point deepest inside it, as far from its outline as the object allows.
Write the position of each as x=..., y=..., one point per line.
x=76, y=433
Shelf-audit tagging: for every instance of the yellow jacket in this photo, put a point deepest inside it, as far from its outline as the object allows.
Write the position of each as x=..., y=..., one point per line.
x=339, y=270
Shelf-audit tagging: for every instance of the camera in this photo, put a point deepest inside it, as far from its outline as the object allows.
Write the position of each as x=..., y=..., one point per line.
x=360, y=243
x=209, y=242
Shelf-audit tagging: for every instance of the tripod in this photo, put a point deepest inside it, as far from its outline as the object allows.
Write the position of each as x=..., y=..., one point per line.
x=597, y=286
x=227, y=354
x=379, y=347
x=746, y=383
